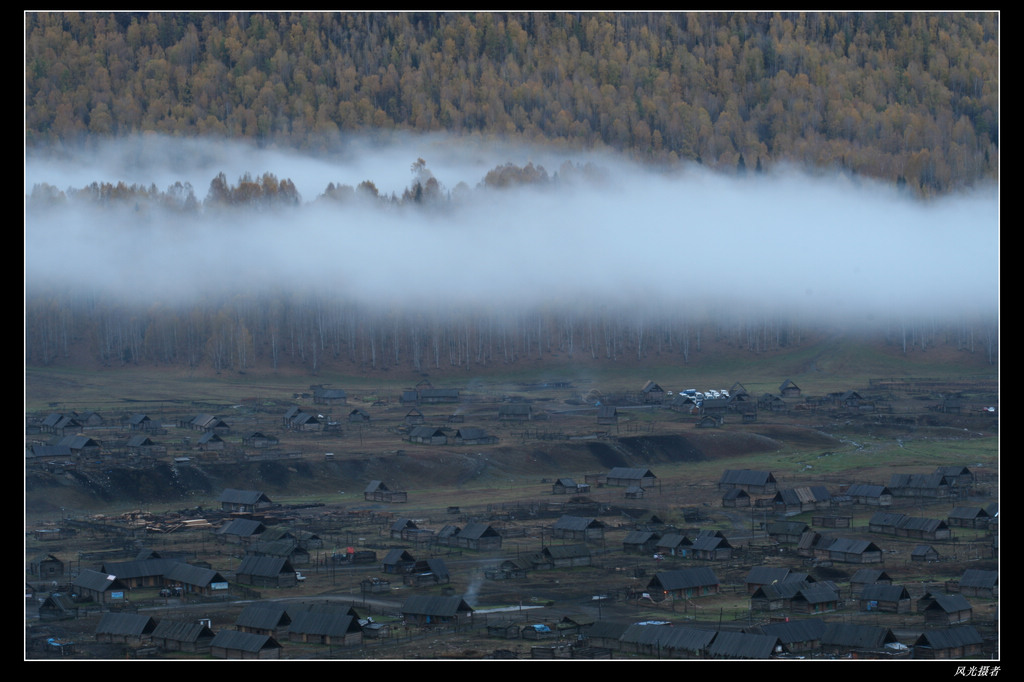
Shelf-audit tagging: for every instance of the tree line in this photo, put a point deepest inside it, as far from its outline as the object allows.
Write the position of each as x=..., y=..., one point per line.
x=905, y=97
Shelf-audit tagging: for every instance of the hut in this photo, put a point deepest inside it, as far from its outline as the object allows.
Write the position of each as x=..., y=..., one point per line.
x=569, y=527
x=885, y=598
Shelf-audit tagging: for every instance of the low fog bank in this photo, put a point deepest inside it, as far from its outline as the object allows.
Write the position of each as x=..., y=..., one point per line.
x=630, y=237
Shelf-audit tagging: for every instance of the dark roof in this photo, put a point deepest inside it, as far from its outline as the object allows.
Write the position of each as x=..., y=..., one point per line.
x=435, y=606
x=265, y=566
x=243, y=641
x=884, y=592
x=685, y=578
x=568, y=522
x=742, y=645
x=766, y=575
x=949, y=638
x=630, y=473
x=974, y=577
x=803, y=495
x=856, y=636
x=478, y=530
x=796, y=630
x=119, y=623
x=566, y=551
x=263, y=616
x=853, y=546
x=233, y=496
x=182, y=631
x=950, y=603
x=398, y=555
x=96, y=581
x=333, y=622
x=869, y=575
x=746, y=477
x=241, y=527
x=866, y=490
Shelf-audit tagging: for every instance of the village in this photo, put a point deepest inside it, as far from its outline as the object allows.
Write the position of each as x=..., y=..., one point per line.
x=667, y=552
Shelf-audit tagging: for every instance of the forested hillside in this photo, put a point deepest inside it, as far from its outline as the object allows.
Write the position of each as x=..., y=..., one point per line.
x=905, y=97
x=458, y=272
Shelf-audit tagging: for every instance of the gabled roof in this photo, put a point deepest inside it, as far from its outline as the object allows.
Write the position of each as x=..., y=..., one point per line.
x=708, y=543
x=803, y=495
x=867, y=490
x=746, y=477
x=324, y=622
x=870, y=575
x=428, y=605
x=685, y=578
x=426, y=432
x=96, y=581
x=639, y=537
x=949, y=638
x=918, y=481
x=742, y=645
x=242, y=527
x=766, y=575
x=120, y=623
x=565, y=551
x=630, y=473
x=182, y=631
x=796, y=630
x=950, y=603
x=470, y=433
x=263, y=615
x=884, y=592
x=969, y=513
x=568, y=522
x=974, y=577
x=264, y=566
x=478, y=530
x=396, y=556
x=237, y=640
x=853, y=546
x=674, y=540
x=232, y=496
x=856, y=636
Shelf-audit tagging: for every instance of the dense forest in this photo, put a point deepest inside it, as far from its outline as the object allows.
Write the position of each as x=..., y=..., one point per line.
x=906, y=99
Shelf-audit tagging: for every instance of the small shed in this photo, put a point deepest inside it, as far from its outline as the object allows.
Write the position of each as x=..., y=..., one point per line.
x=924, y=553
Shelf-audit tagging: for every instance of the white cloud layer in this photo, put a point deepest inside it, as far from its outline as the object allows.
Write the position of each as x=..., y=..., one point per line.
x=816, y=245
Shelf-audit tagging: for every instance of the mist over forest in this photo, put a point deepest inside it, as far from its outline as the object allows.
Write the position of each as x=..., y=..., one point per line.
x=585, y=234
